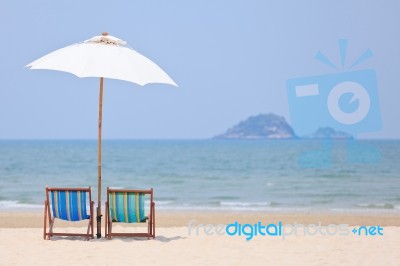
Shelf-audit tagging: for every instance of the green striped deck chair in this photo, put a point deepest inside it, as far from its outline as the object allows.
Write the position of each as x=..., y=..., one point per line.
x=128, y=206
x=68, y=204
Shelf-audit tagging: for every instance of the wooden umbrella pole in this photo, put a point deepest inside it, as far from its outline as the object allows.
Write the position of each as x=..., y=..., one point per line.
x=99, y=161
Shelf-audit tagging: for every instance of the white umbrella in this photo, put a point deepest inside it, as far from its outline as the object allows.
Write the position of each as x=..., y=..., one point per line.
x=105, y=57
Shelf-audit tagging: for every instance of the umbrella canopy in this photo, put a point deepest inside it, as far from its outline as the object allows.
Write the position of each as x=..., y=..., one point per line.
x=104, y=57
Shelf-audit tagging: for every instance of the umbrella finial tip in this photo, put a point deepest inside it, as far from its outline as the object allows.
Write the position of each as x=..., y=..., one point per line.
x=104, y=33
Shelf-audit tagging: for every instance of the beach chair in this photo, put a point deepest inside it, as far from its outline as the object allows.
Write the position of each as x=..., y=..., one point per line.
x=69, y=204
x=127, y=206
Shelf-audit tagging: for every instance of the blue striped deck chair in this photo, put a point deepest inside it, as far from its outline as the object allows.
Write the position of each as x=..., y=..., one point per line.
x=128, y=206
x=68, y=204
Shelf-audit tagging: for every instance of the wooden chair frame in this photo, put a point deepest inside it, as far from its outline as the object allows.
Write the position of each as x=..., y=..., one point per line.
x=151, y=227
x=50, y=219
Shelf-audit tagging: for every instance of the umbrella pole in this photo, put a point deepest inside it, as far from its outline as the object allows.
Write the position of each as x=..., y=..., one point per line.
x=99, y=162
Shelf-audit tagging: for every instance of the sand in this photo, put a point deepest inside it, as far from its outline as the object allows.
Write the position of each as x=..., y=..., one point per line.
x=176, y=244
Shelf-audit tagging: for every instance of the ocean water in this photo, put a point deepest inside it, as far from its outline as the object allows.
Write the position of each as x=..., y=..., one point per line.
x=211, y=174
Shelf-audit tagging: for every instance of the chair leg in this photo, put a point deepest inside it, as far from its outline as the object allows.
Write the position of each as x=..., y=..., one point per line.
x=107, y=219
x=149, y=226
x=109, y=228
x=50, y=234
x=45, y=219
x=153, y=216
x=91, y=218
x=88, y=229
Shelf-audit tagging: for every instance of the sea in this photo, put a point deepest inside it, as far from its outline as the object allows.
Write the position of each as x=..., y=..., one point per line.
x=211, y=175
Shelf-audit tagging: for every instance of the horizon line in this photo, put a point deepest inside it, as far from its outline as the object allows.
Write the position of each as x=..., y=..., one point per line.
x=177, y=139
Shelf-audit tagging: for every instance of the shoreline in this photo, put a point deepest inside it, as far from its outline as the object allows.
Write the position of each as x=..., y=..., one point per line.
x=165, y=218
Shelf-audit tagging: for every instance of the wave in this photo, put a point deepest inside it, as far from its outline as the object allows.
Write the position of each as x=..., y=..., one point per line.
x=221, y=206
x=377, y=206
x=162, y=203
x=244, y=204
x=172, y=205
x=9, y=205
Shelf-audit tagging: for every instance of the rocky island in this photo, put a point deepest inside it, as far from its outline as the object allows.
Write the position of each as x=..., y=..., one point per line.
x=329, y=133
x=272, y=126
x=262, y=126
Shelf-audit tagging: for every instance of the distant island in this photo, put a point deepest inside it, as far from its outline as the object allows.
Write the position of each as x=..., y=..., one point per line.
x=262, y=126
x=329, y=133
x=272, y=126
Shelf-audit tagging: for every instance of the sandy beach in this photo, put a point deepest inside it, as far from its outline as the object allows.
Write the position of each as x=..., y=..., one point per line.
x=181, y=239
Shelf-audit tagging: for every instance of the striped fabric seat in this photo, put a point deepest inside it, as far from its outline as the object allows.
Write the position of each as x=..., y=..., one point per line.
x=127, y=207
x=69, y=205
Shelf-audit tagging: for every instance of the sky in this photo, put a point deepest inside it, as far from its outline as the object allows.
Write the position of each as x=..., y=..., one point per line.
x=231, y=59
